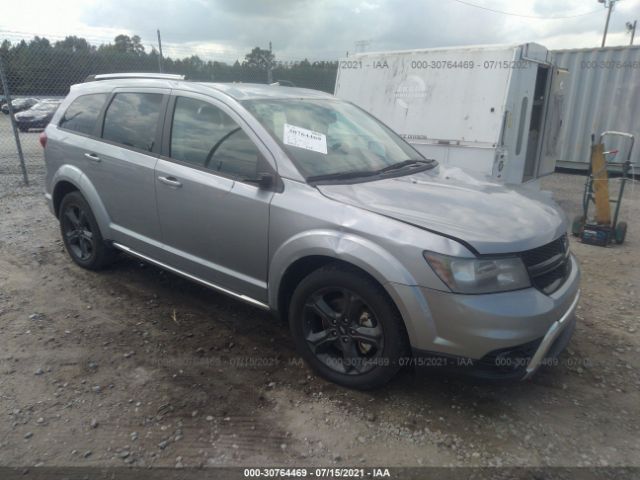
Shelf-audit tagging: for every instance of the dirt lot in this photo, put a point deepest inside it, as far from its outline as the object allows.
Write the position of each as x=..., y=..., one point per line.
x=135, y=366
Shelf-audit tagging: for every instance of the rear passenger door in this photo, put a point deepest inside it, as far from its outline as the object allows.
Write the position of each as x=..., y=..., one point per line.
x=122, y=164
x=214, y=219
x=80, y=131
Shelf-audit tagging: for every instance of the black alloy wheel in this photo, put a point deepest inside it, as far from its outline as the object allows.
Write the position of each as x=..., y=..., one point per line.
x=342, y=330
x=347, y=328
x=81, y=234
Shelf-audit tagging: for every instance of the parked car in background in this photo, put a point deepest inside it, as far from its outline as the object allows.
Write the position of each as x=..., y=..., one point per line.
x=37, y=116
x=19, y=104
x=303, y=204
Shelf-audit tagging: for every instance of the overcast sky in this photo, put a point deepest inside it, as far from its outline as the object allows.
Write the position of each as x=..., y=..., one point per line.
x=319, y=29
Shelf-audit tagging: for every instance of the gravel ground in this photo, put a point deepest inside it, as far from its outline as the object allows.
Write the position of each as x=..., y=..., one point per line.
x=136, y=366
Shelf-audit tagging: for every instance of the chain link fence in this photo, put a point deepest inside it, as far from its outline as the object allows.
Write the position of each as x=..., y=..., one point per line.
x=37, y=73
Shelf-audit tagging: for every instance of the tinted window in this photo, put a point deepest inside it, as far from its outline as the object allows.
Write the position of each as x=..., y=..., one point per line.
x=82, y=114
x=204, y=135
x=132, y=119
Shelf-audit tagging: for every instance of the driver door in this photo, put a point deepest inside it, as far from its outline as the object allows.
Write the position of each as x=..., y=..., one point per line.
x=214, y=219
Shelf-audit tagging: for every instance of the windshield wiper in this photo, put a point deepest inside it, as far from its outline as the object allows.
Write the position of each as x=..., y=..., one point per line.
x=342, y=175
x=405, y=163
x=369, y=173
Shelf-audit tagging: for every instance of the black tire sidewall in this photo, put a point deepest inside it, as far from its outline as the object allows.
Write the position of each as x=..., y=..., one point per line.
x=395, y=339
x=577, y=225
x=620, y=232
x=100, y=250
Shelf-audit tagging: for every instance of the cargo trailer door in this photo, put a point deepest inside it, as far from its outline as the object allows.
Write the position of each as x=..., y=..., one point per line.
x=553, y=123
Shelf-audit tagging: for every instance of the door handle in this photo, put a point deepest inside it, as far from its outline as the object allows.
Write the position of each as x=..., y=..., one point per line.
x=92, y=156
x=172, y=181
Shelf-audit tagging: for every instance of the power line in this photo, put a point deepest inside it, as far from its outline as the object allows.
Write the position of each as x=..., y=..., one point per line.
x=493, y=10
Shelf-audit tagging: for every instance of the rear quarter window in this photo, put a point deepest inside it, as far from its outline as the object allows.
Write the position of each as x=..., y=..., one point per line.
x=82, y=114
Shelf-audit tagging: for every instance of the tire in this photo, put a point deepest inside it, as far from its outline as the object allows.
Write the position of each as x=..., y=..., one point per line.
x=81, y=235
x=23, y=129
x=360, y=348
x=621, y=232
x=577, y=225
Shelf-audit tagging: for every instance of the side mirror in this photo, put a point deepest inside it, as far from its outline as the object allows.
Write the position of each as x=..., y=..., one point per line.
x=265, y=180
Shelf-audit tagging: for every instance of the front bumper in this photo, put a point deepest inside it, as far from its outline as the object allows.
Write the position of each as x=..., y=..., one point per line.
x=515, y=331
x=556, y=338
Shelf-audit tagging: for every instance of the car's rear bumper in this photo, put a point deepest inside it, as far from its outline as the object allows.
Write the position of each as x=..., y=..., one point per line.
x=512, y=331
x=31, y=123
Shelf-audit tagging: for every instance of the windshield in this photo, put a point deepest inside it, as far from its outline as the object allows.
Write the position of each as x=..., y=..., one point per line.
x=328, y=138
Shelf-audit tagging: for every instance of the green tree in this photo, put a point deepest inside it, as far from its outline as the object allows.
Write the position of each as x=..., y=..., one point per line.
x=73, y=44
x=259, y=58
x=39, y=43
x=125, y=44
x=35, y=67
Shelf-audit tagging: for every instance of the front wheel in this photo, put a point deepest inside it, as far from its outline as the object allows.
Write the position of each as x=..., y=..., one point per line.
x=346, y=327
x=81, y=235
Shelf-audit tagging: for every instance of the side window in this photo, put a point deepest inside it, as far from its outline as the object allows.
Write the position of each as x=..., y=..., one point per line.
x=82, y=114
x=132, y=119
x=204, y=135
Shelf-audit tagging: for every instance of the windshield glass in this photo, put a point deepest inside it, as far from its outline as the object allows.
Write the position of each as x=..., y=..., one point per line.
x=331, y=137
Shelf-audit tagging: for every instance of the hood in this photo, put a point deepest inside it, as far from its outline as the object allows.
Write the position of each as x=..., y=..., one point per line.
x=490, y=217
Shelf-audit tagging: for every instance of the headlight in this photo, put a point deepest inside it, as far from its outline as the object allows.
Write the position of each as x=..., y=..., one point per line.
x=479, y=275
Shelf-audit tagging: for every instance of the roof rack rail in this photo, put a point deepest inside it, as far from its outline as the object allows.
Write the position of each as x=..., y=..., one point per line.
x=115, y=76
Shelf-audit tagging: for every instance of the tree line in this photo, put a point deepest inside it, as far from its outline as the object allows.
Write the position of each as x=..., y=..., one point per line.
x=40, y=67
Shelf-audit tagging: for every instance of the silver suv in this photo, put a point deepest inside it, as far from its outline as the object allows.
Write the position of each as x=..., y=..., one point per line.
x=305, y=205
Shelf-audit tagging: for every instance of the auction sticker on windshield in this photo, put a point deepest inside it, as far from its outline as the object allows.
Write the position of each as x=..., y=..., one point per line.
x=303, y=138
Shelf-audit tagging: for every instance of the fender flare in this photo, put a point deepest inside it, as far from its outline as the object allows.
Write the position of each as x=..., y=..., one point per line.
x=370, y=257
x=363, y=253
x=75, y=176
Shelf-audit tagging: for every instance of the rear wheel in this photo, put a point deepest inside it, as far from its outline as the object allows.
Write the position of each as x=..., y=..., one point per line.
x=81, y=235
x=346, y=327
x=620, y=232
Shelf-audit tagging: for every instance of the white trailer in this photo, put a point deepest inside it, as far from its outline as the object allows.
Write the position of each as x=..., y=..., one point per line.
x=493, y=110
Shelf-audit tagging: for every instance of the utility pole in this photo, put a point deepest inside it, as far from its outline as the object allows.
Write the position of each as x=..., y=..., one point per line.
x=607, y=4
x=270, y=65
x=160, y=59
x=631, y=28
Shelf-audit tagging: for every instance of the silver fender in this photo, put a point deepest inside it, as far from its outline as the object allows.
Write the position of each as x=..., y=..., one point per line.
x=366, y=255
x=74, y=175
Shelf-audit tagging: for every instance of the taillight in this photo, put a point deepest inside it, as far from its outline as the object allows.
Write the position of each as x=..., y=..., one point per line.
x=43, y=139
